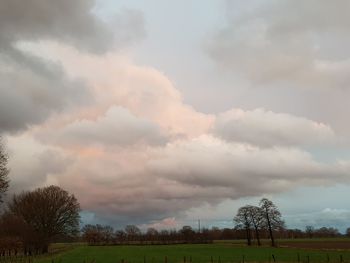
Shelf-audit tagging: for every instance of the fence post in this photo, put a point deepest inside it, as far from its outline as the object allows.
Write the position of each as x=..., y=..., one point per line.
x=308, y=259
x=298, y=256
x=328, y=259
x=219, y=260
x=166, y=259
x=341, y=258
x=184, y=259
x=243, y=259
x=211, y=259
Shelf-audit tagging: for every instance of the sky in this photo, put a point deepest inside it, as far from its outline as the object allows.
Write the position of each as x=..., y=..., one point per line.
x=159, y=113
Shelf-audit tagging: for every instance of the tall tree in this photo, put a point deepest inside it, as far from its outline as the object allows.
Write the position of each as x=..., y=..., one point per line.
x=257, y=218
x=50, y=211
x=272, y=217
x=4, y=181
x=243, y=220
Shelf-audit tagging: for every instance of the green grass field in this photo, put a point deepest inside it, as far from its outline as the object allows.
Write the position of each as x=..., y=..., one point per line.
x=224, y=252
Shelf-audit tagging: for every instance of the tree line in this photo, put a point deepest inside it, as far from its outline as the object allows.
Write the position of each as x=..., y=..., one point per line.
x=100, y=235
x=131, y=234
x=32, y=220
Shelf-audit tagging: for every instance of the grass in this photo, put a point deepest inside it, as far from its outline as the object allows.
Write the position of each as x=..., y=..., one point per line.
x=223, y=252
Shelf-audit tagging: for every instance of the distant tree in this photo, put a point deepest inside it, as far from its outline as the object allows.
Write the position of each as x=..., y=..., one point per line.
x=152, y=234
x=347, y=232
x=120, y=236
x=49, y=211
x=326, y=232
x=91, y=234
x=97, y=234
x=132, y=232
x=188, y=233
x=272, y=217
x=164, y=236
x=107, y=234
x=243, y=220
x=4, y=181
x=309, y=230
x=152, y=231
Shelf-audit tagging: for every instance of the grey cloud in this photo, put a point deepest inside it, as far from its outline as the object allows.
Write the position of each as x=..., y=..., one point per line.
x=170, y=180
x=338, y=218
x=31, y=89
x=33, y=170
x=209, y=162
x=266, y=128
x=65, y=20
x=298, y=44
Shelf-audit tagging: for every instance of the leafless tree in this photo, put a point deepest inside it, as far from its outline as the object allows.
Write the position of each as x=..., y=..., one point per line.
x=347, y=232
x=120, y=236
x=243, y=220
x=309, y=230
x=152, y=234
x=98, y=234
x=188, y=234
x=50, y=211
x=257, y=219
x=133, y=232
x=4, y=181
x=272, y=217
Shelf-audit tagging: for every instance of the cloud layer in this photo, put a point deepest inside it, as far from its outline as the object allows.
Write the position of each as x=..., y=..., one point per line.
x=32, y=87
x=80, y=113
x=267, y=128
x=302, y=45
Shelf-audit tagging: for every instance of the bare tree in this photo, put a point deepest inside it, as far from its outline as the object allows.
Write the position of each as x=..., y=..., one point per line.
x=272, y=217
x=309, y=230
x=4, y=181
x=257, y=219
x=120, y=236
x=347, y=232
x=50, y=211
x=152, y=234
x=133, y=232
x=188, y=234
x=243, y=220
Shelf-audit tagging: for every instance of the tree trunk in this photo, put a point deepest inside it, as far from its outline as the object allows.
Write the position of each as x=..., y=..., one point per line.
x=249, y=242
x=257, y=235
x=45, y=248
x=270, y=230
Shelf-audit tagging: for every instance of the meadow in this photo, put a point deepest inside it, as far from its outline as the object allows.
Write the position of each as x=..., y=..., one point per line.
x=218, y=252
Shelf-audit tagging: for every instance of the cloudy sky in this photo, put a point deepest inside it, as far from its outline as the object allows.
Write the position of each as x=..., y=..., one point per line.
x=160, y=113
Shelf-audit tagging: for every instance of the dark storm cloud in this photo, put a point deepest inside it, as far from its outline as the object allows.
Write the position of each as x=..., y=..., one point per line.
x=33, y=88
x=64, y=20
